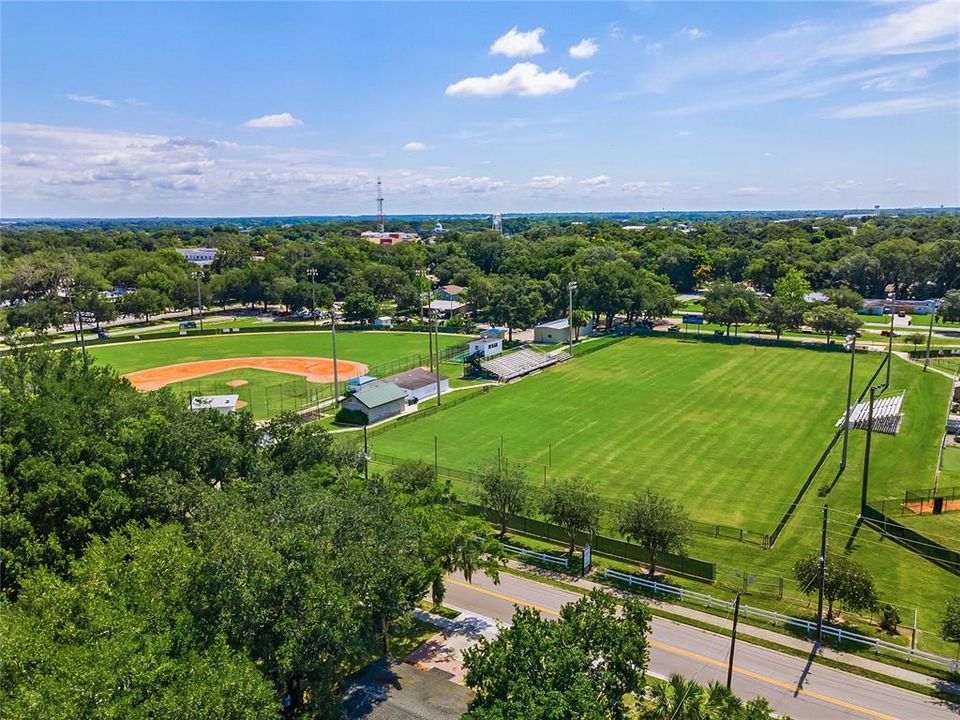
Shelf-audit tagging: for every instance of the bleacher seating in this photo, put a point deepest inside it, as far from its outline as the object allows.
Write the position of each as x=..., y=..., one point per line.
x=886, y=415
x=522, y=362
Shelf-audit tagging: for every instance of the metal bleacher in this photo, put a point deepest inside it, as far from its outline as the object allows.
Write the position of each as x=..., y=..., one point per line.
x=886, y=415
x=522, y=362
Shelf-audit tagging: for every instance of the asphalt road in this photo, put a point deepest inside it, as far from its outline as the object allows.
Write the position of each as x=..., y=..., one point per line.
x=802, y=690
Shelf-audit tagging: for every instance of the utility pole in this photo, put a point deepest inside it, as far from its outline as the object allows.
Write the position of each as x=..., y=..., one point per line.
x=198, y=275
x=850, y=345
x=571, y=286
x=312, y=274
x=366, y=455
x=893, y=315
x=733, y=639
x=823, y=576
x=866, y=454
x=333, y=337
x=926, y=360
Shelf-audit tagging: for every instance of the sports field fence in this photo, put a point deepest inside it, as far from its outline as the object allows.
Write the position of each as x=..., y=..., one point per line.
x=296, y=393
x=931, y=501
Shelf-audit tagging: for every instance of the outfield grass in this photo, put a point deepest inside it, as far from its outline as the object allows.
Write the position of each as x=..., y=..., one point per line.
x=710, y=424
x=370, y=348
x=267, y=393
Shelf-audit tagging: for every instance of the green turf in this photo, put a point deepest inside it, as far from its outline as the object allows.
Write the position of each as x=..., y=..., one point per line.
x=707, y=423
x=370, y=348
x=731, y=431
x=269, y=393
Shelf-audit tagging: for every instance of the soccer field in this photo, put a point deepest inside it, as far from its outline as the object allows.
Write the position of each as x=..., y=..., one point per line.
x=266, y=393
x=731, y=431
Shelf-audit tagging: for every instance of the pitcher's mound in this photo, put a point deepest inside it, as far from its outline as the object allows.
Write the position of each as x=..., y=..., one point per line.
x=236, y=383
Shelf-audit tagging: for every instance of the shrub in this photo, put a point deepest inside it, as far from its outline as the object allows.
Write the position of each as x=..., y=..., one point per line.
x=351, y=417
x=889, y=618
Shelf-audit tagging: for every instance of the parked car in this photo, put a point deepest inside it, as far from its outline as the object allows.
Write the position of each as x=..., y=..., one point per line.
x=103, y=334
x=673, y=329
x=188, y=325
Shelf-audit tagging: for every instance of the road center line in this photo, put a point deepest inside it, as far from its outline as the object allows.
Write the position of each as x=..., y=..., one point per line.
x=692, y=655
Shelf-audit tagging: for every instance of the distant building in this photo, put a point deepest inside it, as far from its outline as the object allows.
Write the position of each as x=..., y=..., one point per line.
x=381, y=402
x=358, y=383
x=635, y=228
x=450, y=292
x=438, y=229
x=447, y=308
x=389, y=238
x=815, y=297
x=383, y=322
x=494, y=332
x=223, y=404
x=198, y=256
x=913, y=307
x=557, y=331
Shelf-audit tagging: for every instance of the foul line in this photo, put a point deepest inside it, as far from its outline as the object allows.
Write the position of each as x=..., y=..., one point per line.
x=694, y=656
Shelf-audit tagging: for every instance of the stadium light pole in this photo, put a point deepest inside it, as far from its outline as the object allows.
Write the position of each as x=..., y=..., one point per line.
x=571, y=286
x=436, y=325
x=333, y=337
x=866, y=452
x=893, y=315
x=312, y=274
x=198, y=275
x=851, y=345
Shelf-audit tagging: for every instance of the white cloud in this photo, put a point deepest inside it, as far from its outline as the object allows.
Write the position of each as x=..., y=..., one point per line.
x=584, y=49
x=748, y=191
x=837, y=186
x=637, y=38
x=548, y=182
x=91, y=99
x=694, y=33
x=896, y=81
x=280, y=120
x=897, y=106
x=926, y=27
x=414, y=147
x=596, y=181
x=653, y=48
x=645, y=189
x=35, y=160
x=522, y=79
x=768, y=154
x=474, y=184
x=683, y=133
x=518, y=44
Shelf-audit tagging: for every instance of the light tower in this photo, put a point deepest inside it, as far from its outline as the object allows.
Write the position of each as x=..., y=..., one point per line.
x=498, y=222
x=379, y=205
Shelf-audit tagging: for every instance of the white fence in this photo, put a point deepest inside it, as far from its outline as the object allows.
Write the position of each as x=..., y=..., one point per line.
x=533, y=554
x=776, y=618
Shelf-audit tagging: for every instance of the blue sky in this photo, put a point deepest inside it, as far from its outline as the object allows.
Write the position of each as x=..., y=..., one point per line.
x=121, y=109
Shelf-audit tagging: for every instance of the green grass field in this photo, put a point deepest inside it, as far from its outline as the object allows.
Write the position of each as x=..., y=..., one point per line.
x=731, y=431
x=267, y=393
x=709, y=424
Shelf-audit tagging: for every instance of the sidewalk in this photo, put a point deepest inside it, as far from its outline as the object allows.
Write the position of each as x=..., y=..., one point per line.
x=745, y=631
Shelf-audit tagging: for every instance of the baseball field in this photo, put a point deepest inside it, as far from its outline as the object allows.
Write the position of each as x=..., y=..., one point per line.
x=269, y=371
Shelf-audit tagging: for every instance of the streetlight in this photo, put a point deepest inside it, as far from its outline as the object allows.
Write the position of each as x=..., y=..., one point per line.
x=198, y=275
x=436, y=326
x=571, y=286
x=312, y=274
x=849, y=344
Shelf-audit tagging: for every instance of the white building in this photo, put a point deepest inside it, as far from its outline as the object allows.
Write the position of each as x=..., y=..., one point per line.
x=487, y=347
x=198, y=256
x=223, y=404
x=383, y=322
x=557, y=331
x=418, y=383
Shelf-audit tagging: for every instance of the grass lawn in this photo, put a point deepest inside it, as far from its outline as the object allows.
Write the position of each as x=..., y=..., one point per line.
x=371, y=348
x=268, y=393
x=731, y=430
